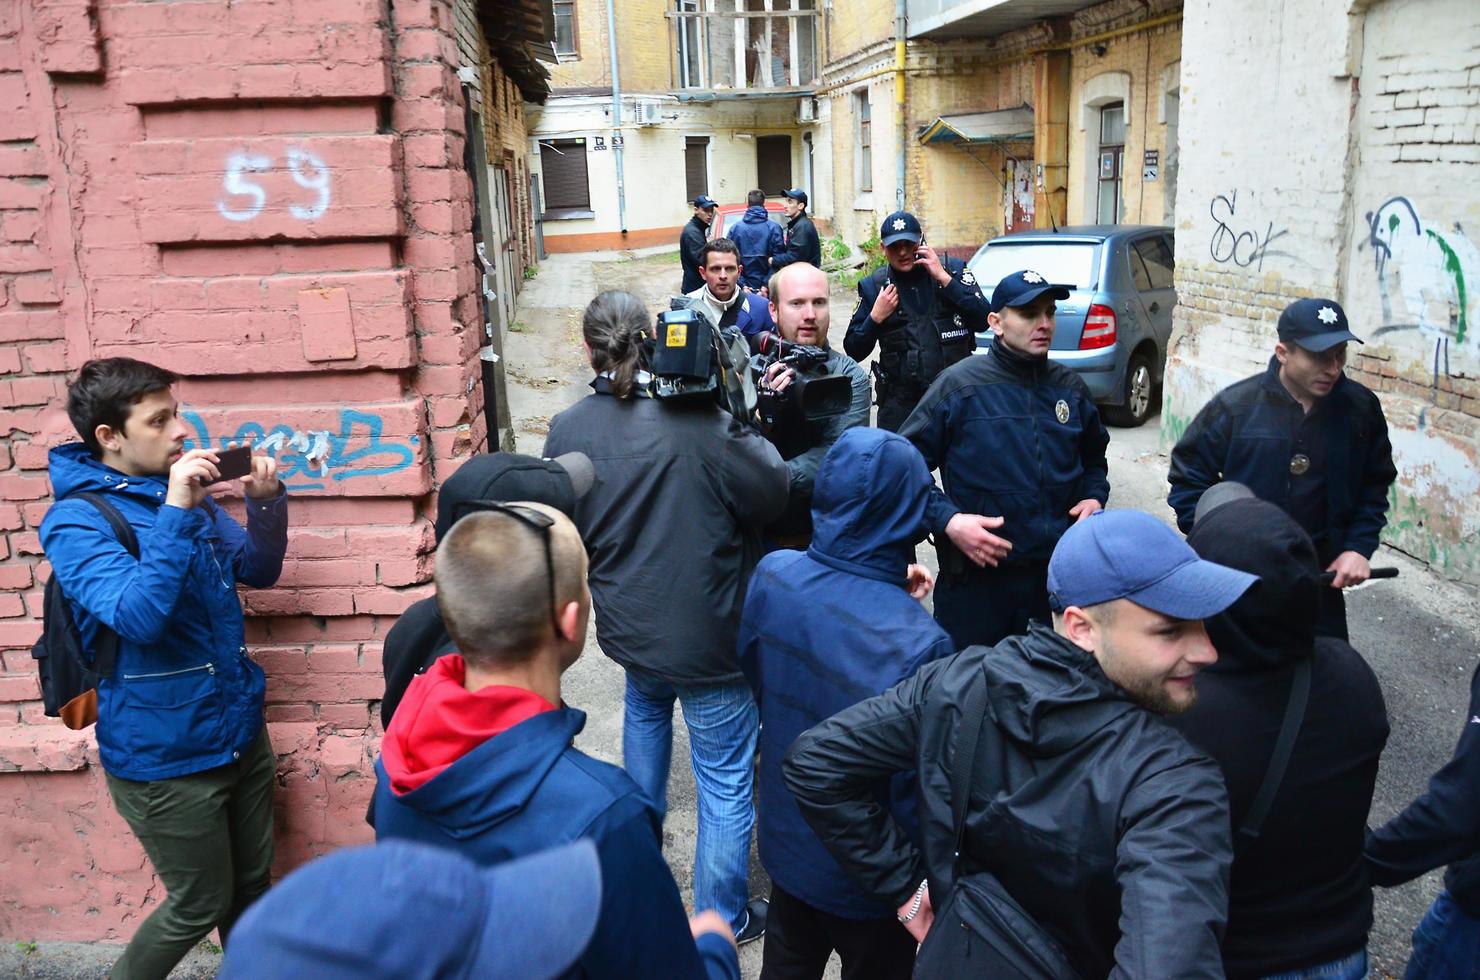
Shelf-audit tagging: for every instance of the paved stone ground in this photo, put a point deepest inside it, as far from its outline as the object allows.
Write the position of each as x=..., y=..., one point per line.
x=1421, y=634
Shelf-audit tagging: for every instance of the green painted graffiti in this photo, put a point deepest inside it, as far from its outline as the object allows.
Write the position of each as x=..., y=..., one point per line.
x=1457, y=273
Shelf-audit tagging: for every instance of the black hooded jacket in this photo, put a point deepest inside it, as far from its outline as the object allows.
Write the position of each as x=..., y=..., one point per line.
x=1100, y=820
x=1299, y=892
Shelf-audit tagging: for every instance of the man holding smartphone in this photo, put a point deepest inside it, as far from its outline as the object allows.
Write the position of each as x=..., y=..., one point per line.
x=180, y=724
x=922, y=309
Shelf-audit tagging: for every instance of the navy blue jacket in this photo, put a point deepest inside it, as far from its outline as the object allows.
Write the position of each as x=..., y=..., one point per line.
x=802, y=244
x=1014, y=437
x=1251, y=430
x=933, y=327
x=690, y=242
x=1442, y=826
x=758, y=238
x=830, y=627
x=184, y=697
x=527, y=789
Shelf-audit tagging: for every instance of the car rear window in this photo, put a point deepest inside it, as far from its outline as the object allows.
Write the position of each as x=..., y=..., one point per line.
x=1069, y=264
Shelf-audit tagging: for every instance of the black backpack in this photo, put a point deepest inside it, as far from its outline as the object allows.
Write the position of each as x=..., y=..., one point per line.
x=980, y=930
x=68, y=682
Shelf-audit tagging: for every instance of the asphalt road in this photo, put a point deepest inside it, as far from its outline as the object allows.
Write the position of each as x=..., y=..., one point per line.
x=1420, y=633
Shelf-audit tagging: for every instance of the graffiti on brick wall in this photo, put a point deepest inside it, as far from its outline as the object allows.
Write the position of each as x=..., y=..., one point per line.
x=309, y=458
x=247, y=198
x=1240, y=241
x=1425, y=280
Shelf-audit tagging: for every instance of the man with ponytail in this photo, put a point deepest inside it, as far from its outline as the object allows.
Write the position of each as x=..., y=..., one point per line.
x=672, y=525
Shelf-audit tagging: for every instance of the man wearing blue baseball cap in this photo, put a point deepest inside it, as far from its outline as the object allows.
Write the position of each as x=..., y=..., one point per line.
x=1303, y=436
x=1021, y=452
x=1104, y=825
x=922, y=310
x=802, y=243
x=692, y=239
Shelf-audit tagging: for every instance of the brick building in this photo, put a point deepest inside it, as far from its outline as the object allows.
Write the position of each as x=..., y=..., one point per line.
x=720, y=95
x=1006, y=115
x=1334, y=150
x=271, y=198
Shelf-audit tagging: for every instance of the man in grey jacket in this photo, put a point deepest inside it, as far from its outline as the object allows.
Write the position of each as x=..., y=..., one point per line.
x=1106, y=826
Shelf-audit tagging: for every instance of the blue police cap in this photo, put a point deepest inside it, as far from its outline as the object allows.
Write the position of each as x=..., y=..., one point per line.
x=1022, y=288
x=1315, y=324
x=901, y=226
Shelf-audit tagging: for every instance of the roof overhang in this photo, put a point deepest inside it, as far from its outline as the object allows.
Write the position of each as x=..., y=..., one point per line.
x=945, y=19
x=977, y=128
x=521, y=35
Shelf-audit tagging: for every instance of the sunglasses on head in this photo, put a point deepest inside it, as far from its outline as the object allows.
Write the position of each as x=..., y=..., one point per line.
x=536, y=520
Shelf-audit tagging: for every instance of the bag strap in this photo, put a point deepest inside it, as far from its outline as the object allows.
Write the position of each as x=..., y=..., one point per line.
x=106, y=653
x=973, y=717
x=1283, y=749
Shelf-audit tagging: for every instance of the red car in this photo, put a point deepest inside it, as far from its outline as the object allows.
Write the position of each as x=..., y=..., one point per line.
x=726, y=216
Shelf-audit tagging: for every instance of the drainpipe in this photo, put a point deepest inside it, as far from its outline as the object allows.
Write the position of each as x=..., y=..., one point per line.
x=899, y=126
x=611, y=34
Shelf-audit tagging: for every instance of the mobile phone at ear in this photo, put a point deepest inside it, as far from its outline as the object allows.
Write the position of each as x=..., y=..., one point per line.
x=234, y=463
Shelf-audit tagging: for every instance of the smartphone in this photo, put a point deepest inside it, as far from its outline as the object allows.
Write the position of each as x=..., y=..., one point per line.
x=234, y=463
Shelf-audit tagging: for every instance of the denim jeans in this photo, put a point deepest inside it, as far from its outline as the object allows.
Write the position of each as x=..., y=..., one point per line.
x=1353, y=967
x=723, y=727
x=1446, y=944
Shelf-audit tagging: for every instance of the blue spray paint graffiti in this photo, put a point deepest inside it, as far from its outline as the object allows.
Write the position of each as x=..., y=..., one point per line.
x=318, y=454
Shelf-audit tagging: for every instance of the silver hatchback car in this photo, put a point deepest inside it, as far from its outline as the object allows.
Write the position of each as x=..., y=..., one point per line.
x=1113, y=329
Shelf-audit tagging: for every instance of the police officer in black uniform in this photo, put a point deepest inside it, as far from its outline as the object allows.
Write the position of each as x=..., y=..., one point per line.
x=692, y=239
x=1021, y=452
x=922, y=311
x=1302, y=435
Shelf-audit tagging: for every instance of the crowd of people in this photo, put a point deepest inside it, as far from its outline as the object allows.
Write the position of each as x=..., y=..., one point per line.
x=1110, y=751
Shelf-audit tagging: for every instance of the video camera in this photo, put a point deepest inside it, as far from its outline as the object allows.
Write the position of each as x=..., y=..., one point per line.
x=813, y=394
x=692, y=360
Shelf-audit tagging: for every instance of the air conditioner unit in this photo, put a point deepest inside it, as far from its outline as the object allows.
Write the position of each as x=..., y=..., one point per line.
x=649, y=113
x=807, y=110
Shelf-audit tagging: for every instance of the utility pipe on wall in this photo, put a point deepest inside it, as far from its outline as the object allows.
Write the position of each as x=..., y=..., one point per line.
x=899, y=127
x=611, y=34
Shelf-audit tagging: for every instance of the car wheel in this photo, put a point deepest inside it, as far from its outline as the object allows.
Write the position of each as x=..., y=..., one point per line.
x=1140, y=387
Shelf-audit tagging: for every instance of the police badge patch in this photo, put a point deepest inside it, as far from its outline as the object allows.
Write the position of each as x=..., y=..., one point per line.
x=1061, y=411
x=967, y=277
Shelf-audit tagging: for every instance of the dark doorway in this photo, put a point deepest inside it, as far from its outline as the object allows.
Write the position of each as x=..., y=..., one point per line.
x=696, y=165
x=773, y=164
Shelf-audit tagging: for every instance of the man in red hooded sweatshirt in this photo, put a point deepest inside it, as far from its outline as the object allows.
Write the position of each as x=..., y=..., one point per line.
x=478, y=757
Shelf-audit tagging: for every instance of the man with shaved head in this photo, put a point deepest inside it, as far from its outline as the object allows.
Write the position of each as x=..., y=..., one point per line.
x=478, y=757
x=799, y=305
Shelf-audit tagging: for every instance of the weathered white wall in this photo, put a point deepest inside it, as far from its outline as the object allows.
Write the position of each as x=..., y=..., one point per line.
x=1330, y=148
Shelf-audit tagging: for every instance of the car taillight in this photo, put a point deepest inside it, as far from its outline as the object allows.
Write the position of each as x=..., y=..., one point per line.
x=1099, y=328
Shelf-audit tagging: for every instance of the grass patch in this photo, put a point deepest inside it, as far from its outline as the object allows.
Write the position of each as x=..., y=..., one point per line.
x=874, y=251
x=835, y=249
x=518, y=326
x=26, y=949
x=530, y=271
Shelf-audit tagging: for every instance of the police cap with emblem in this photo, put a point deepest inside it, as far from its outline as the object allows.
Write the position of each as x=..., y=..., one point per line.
x=1022, y=288
x=1315, y=324
x=796, y=194
x=704, y=202
x=901, y=226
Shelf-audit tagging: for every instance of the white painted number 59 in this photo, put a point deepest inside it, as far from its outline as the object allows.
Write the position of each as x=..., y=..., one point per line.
x=308, y=171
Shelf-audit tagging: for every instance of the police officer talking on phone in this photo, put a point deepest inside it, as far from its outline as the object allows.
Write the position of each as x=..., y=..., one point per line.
x=922, y=310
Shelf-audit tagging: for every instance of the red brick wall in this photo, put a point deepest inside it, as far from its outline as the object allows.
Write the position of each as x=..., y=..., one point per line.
x=268, y=197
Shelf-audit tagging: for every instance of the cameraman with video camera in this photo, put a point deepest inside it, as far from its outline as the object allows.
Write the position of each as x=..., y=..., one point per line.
x=808, y=393
x=672, y=527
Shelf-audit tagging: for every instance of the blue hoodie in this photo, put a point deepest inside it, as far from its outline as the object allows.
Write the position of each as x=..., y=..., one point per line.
x=758, y=238
x=828, y=628
x=475, y=772
x=184, y=697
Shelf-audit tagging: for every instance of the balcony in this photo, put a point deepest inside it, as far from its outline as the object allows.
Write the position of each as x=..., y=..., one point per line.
x=944, y=19
x=744, y=48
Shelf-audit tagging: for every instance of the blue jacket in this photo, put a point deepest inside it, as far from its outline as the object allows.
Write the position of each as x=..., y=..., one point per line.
x=527, y=789
x=184, y=697
x=1014, y=437
x=758, y=238
x=1250, y=432
x=828, y=628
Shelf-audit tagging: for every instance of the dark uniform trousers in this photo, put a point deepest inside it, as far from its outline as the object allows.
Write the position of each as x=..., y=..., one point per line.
x=800, y=938
x=984, y=606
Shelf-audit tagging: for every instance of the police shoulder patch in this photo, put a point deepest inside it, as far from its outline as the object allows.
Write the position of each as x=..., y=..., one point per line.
x=1061, y=411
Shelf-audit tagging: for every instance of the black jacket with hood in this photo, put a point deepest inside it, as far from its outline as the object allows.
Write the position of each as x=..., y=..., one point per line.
x=1299, y=894
x=1105, y=824
x=672, y=526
